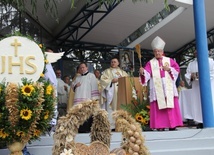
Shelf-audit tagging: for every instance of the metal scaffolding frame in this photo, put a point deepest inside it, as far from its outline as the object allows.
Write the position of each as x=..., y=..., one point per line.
x=84, y=22
x=69, y=38
x=185, y=54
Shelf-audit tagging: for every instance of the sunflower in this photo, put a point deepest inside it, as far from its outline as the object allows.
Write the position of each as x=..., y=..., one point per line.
x=26, y=114
x=145, y=121
x=40, y=45
x=42, y=75
x=20, y=133
x=37, y=133
x=49, y=89
x=27, y=90
x=139, y=118
x=46, y=115
x=46, y=61
x=3, y=134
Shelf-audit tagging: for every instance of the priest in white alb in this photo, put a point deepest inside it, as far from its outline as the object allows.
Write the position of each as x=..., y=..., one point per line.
x=192, y=78
x=85, y=88
x=51, y=76
x=162, y=72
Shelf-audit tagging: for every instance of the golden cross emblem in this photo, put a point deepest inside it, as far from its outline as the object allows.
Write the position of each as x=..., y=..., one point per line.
x=16, y=44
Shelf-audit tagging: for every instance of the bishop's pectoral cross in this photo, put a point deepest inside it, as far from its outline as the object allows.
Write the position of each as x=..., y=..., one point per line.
x=161, y=64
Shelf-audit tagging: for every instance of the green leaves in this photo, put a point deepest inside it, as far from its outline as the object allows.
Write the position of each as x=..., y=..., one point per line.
x=51, y=5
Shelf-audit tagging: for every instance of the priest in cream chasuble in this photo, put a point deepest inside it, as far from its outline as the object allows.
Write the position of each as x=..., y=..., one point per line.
x=109, y=87
x=162, y=72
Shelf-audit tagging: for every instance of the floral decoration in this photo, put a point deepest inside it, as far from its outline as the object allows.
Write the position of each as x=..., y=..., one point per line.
x=25, y=110
x=139, y=107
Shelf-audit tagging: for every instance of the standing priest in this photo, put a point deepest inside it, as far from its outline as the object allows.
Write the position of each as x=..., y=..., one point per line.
x=85, y=88
x=192, y=78
x=109, y=86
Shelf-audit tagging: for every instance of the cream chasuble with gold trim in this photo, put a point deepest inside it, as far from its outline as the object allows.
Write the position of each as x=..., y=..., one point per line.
x=162, y=100
x=109, y=93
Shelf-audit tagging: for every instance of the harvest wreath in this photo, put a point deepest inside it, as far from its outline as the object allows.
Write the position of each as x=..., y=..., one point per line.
x=67, y=128
x=68, y=125
x=133, y=140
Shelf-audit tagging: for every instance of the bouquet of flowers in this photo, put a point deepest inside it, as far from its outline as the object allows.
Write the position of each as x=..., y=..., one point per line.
x=138, y=108
x=25, y=110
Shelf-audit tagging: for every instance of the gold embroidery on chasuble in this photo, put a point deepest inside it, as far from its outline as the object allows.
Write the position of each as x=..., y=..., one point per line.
x=168, y=101
x=116, y=73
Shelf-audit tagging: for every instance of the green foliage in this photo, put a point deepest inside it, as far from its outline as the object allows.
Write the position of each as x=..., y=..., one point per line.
x=135, y=107
x=51, y=5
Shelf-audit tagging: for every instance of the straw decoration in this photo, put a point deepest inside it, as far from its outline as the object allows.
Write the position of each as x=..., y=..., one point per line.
x=138, y=51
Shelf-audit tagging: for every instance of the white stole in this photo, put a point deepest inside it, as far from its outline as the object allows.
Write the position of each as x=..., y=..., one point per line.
x=163, y=102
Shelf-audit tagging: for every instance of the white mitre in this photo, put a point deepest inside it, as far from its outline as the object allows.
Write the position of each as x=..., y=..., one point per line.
x=53, y=57
x=158, y=43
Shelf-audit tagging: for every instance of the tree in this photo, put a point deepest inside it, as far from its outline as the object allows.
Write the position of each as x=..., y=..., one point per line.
x=51, y=5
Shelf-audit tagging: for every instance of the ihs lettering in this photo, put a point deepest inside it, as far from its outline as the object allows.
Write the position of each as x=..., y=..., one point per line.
x=21, y=63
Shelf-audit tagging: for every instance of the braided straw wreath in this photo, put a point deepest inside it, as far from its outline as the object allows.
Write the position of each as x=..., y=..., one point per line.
x=133, y=140
x=67, y=128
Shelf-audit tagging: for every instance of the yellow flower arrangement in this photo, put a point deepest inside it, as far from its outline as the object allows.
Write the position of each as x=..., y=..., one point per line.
x=143, y=116
x=25, y=110
x=139, y=109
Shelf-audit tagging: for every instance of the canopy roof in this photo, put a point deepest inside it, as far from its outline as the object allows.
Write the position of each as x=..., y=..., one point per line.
x=177, y=30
